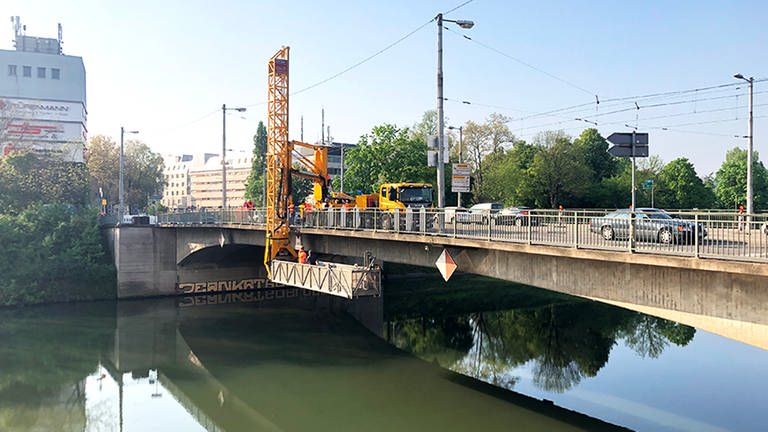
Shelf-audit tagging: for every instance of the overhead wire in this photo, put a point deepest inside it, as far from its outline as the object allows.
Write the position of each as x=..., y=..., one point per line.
x=526, y=64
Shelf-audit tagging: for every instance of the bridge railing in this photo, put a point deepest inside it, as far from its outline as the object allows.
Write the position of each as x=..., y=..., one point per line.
x=705, y=234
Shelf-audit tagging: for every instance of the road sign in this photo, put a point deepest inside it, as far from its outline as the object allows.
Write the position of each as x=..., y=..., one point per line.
x=446, y=265
x=648, y=184
x=624, y=139
x=460, y=178
x=640, y=151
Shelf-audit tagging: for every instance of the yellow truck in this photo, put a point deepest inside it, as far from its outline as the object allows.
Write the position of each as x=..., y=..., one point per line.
x=408, y=198
x=397, y=195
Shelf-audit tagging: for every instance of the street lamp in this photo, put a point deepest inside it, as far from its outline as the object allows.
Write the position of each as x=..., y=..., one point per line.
x=461, y=155
x=465, y=24
x=121, y=185
x=224, y=110
x=750, y=136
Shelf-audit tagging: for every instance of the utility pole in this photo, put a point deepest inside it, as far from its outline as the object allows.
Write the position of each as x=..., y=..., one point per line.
x=750, y=137
x=121, y=185
x=224, y=110
x=223, y=156
x=440, y=117
x=465, y=24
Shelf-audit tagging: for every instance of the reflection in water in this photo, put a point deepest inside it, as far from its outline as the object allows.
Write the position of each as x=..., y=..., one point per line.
x=565, y=342
x=297, y=361
x=576, y=352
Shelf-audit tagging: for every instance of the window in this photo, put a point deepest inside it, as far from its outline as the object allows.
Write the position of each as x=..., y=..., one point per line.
x=55, y=73
x=11, y=70
x=41, y=72
x=27, y=71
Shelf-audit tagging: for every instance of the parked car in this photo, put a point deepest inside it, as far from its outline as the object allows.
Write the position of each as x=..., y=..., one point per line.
x=518, y=216
x=458, y=214
x=651, y=224
x=484, y=212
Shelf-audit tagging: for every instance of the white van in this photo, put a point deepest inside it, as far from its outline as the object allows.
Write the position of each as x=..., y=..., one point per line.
x=484, y=212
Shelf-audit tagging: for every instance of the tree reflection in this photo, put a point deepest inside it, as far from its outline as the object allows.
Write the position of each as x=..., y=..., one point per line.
x=565, y=342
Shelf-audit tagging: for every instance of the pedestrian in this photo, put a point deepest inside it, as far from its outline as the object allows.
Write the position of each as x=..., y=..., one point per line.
x=311, y=257
x=302, y=256
x=741, y=217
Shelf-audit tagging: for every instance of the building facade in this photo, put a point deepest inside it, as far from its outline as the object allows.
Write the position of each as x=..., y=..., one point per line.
x=194, y=181
x=42, y=98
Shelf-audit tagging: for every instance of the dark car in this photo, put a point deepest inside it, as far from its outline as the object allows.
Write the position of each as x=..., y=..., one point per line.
x=518, y=216
x=651, y=224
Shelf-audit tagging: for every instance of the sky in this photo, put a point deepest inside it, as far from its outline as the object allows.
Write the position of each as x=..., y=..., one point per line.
x=165, y=68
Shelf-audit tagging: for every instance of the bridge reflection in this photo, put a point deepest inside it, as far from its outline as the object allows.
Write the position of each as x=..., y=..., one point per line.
x=296, y=361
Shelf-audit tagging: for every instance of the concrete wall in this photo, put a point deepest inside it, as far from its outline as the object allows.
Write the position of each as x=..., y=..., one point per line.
x=145, y=258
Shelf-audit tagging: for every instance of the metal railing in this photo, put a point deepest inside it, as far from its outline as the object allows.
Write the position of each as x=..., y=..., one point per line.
x=702, y=234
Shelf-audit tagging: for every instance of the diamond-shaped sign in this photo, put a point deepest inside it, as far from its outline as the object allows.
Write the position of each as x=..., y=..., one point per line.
x=446, y=265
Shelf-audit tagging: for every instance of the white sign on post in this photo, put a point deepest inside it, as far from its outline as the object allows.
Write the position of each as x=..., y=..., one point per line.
x=460, y=178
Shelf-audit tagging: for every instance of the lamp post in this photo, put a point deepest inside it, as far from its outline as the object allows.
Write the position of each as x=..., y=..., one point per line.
x=750, y=136
x=121, y=184
x=461, y=155
x=465, y=24
x=224, y=110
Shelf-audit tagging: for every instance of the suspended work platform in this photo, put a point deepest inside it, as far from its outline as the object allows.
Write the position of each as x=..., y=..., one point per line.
x=342, y=280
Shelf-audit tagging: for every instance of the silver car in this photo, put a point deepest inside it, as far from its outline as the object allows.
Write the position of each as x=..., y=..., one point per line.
x=651, y=224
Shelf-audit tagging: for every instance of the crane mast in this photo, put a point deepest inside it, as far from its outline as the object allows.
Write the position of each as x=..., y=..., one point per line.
x=279, y=153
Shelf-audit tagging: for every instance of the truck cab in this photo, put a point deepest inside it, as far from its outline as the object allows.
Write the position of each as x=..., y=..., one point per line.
x=405, y=195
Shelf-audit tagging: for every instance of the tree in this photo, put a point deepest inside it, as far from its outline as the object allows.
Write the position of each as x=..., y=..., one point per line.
x=254, y=186
x=387, y=154
x=594, y=149
x=142, y=175
x=731, y=180
x=679, y=187
x=26, y=178
x=485, y=146
x=560, y=175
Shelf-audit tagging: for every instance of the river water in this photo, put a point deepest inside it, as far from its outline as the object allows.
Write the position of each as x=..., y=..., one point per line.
x=475, y=355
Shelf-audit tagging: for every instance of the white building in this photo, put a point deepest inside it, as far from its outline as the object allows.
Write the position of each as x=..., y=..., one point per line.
x=42, y=98
x=206, y=181
x=195, y=180
x=177, y=193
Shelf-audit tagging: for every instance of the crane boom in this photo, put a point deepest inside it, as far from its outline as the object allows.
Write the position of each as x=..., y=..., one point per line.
x=279, y=153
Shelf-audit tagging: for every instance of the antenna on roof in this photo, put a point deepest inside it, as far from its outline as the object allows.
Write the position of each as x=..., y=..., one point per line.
x=60, y=40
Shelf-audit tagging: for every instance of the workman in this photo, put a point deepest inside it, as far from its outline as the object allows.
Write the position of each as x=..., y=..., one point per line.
x=302, y=256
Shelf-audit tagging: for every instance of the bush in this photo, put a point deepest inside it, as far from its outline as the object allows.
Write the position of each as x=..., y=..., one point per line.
x=53, y=252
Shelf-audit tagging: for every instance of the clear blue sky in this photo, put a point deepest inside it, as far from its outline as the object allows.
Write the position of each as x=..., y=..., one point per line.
x=162, y=66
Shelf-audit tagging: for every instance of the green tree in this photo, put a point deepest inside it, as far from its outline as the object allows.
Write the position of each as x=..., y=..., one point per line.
x=560, y=174
x=387, y=154
x=679, y=187
x=254, y=186
x=26, y=178
x=731, y=180
x=142, y=177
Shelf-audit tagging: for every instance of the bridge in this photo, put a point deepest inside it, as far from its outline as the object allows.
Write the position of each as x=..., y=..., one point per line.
x=560, y=251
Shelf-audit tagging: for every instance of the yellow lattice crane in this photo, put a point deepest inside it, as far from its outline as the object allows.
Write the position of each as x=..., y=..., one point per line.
x=338, y=279
x=278, y=160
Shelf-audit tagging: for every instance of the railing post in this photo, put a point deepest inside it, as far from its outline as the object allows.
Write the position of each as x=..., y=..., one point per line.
x=396, y=219
x=696, y=235
x=631, y=240
x=529, y=232
x=490, y=221
x=423, y=220
x=575, y=229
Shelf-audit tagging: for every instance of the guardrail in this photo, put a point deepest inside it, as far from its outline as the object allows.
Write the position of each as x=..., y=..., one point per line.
x=703, y=234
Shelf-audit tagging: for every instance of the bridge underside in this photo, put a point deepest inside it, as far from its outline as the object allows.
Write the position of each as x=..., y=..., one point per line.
x=157, y=260
x=714, y=293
